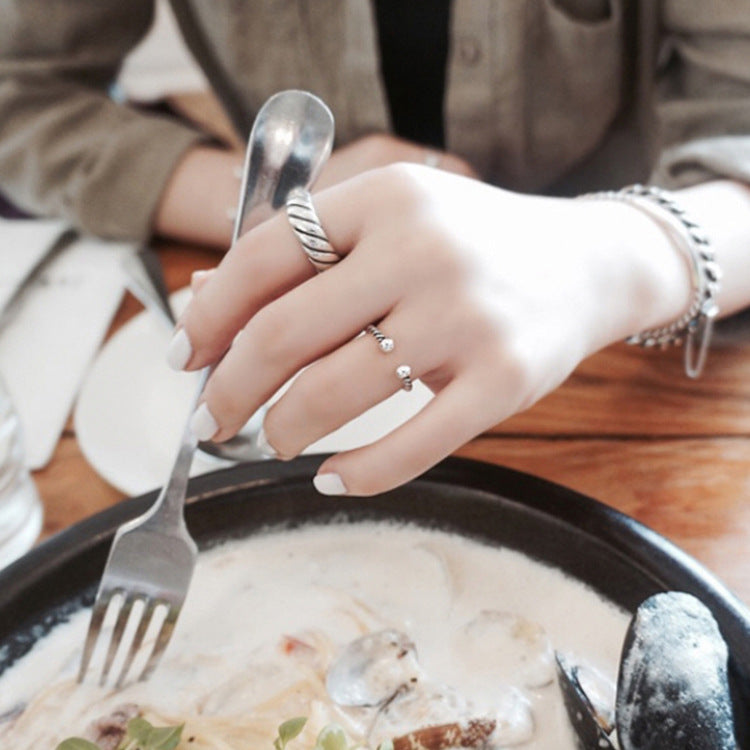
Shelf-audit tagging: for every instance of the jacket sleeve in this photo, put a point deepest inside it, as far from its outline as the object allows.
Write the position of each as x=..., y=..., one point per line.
x=703, y=92
x=66, y=148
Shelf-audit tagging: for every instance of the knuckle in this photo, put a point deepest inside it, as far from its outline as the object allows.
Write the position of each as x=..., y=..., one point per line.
x=513, y=365
x=268, y=334
x=435, y=256
x=200, y=321
x=227, y=405
x=312, y=406
x=275, y=426
x=301, y=415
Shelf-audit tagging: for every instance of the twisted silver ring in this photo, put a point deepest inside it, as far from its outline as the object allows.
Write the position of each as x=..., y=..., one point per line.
x=306, y=225
x=404, y=375
x=385, y=343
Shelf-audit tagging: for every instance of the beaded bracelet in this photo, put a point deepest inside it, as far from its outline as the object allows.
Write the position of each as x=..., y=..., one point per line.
x=695, y=326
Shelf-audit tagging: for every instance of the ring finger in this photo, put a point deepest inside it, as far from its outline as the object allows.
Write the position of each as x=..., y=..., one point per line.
x=286, y=335
x=349, y=381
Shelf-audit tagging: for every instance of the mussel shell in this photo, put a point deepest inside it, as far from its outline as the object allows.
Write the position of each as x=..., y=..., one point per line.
x=587, y=726
x=673, y=691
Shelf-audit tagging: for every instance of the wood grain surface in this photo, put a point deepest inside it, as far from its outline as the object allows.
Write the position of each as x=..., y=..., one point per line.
x=628, y=428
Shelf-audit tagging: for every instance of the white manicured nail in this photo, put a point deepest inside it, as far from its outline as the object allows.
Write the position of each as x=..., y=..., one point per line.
x=265, y=447
x=179, y=350
x=329, y=484
x=203, y=424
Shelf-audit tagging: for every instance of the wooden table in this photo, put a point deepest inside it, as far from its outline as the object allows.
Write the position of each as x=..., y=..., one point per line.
x=628, y=428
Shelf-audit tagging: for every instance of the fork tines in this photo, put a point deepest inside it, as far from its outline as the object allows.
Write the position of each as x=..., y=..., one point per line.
x=141, y=619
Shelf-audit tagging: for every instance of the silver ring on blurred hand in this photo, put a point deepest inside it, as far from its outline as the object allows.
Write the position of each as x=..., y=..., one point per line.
x=385, y=343
x=404, y=375
x=306, y=225
x=432, y=158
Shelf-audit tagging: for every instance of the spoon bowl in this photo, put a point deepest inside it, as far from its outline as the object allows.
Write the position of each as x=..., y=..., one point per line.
x=289, y=144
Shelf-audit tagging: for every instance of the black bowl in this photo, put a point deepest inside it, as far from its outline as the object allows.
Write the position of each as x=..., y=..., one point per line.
x=617, y=556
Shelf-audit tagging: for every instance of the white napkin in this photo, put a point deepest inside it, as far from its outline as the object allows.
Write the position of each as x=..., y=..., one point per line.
x=62, y=319
x=22, y=245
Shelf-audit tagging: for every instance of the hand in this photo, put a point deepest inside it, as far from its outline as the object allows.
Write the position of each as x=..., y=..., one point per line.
x=380, y=150
x=187, y=211
x=492, y=298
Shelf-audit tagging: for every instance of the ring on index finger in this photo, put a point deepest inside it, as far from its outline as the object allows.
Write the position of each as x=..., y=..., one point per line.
x=304, y=221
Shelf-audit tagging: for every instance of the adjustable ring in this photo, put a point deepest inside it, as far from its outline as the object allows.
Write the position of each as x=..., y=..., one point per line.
x=403, y=373
x=385, y=343
x=306, y=225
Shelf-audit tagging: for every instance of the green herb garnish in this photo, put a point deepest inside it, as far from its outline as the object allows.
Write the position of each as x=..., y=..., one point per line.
x=140, y=735
x=76, y=743
x=288, y=731
x=331, y=737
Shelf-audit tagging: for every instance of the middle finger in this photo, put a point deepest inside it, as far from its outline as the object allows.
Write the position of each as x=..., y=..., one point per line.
x=265, y=263
x=289, y=333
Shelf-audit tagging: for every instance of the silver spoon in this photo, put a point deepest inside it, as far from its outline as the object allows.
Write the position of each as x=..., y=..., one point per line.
x=289, y=144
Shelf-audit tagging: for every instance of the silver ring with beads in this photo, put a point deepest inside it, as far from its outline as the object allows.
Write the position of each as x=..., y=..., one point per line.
x=385, y=343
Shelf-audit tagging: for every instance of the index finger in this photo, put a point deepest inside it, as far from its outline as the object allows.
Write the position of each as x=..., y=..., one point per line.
x=265, y=263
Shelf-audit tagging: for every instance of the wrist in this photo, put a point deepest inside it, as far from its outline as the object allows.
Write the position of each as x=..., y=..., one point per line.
x=642, y=277
x=194, y=205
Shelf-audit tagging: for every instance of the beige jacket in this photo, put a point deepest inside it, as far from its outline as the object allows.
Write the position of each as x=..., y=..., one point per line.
x=542, y=95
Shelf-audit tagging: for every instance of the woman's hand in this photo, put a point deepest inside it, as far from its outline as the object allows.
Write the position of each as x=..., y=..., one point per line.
x=492, y=299
x=187, y=211
x=380, y=150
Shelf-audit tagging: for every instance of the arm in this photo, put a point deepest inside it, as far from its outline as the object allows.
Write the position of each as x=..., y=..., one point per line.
x=703, y=93
x=493, y=298
x=66, y=148
x=204, y=188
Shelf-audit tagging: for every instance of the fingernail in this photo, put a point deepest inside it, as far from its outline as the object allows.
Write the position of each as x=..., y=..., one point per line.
x=329, y=484
x=203, y=424
x=179, y=350
x=198, y=277
x=263, y=445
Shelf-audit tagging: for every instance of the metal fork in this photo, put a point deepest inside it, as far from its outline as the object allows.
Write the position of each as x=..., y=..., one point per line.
x=151, y=561
x=152, y=557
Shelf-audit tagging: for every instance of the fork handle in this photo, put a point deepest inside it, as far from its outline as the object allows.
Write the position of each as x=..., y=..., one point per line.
x=171, y=500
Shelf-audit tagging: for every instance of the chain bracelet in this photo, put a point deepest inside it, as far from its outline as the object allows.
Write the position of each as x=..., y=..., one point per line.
x=695, y=326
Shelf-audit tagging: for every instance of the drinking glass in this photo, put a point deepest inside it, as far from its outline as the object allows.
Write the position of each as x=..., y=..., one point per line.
x=20, y=507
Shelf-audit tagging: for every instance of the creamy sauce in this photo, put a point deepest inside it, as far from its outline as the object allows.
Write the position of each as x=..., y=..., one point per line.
x=270, y=613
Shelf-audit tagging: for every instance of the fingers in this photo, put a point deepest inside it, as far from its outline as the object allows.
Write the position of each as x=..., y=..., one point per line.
x=288, y=334
x=348, y=382
x=265, y=263
x=452, y=418
x=198, y=279
x=381, y=149
x=266, y=315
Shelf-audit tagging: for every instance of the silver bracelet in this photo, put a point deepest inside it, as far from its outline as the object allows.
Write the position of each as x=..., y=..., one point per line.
x=695, y=326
